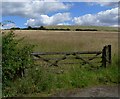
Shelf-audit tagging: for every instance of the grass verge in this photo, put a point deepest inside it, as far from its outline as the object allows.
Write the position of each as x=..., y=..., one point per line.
x=40, y=81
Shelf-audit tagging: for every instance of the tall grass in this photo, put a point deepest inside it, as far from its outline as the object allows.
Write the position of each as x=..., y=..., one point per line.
x=70, y=41
x=39, y=80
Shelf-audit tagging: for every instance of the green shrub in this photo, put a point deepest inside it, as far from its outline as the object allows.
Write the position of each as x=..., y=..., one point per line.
x=42, y=28
x=41, y=78
x=15, y=57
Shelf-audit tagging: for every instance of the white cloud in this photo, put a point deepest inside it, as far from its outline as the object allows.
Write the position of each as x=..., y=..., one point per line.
x=87, y=19
x=102, y=3
x=108, y=3
x=103, y=18
x=38, y=11
x=8, y=26
x=64, y=23
x=49, y=20
x=32, y=9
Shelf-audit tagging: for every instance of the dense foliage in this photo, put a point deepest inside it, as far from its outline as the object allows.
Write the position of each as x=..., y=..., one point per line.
x=15, y=57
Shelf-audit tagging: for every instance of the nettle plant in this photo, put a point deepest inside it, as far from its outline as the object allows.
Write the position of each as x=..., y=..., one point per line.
x=15, y=57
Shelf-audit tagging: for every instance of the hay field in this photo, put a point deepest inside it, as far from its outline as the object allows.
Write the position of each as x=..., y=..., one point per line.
x=69, y=40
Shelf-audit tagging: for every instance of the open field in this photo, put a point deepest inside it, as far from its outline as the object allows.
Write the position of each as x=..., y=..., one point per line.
x=45, y=81
x=70, y=40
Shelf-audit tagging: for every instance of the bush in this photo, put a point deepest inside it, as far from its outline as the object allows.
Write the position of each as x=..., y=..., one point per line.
x=15, y=58
x=42, y=28
x=29, y=28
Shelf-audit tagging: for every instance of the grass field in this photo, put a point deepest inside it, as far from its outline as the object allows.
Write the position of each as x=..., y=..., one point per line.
x=70, y=40
x=44, y=81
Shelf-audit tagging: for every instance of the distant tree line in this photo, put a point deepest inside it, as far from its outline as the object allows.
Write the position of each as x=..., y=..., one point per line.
x=38, y=28
x=86, y=29
x=29, y=28
x=44, y=28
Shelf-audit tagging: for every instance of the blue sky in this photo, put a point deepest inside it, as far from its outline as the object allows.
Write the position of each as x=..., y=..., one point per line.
x=61, y=13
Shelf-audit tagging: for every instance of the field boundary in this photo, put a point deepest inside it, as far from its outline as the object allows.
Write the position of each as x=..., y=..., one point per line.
x=106, y=57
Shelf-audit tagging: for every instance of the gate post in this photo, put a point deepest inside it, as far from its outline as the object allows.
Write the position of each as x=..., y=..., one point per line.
x=109, y=54
x=104, y=56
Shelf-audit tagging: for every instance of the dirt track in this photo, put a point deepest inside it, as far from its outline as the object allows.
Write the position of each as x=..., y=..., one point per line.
x=98, y=91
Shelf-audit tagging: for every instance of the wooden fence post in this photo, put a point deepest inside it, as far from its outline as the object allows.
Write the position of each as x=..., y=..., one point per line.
x=104, y=56
x=109, y=53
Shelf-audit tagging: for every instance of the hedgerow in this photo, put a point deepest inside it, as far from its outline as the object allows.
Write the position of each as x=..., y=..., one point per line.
x=16, y=57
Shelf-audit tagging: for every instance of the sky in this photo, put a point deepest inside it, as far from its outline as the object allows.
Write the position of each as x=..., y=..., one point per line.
x=37, y=13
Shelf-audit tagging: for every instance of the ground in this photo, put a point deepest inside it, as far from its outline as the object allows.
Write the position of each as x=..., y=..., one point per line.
x=97, y=91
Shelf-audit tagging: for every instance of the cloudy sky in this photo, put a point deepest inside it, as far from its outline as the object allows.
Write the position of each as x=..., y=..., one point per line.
x=37, y=13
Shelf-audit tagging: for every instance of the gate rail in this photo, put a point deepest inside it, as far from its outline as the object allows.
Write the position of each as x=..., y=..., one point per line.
x=106, y=56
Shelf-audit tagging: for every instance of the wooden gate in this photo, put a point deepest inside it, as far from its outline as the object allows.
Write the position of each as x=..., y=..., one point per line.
x=104, y=55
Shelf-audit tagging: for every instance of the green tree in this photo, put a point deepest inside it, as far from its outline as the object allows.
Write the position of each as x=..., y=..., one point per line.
x=29, y=28
x=42, y=28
